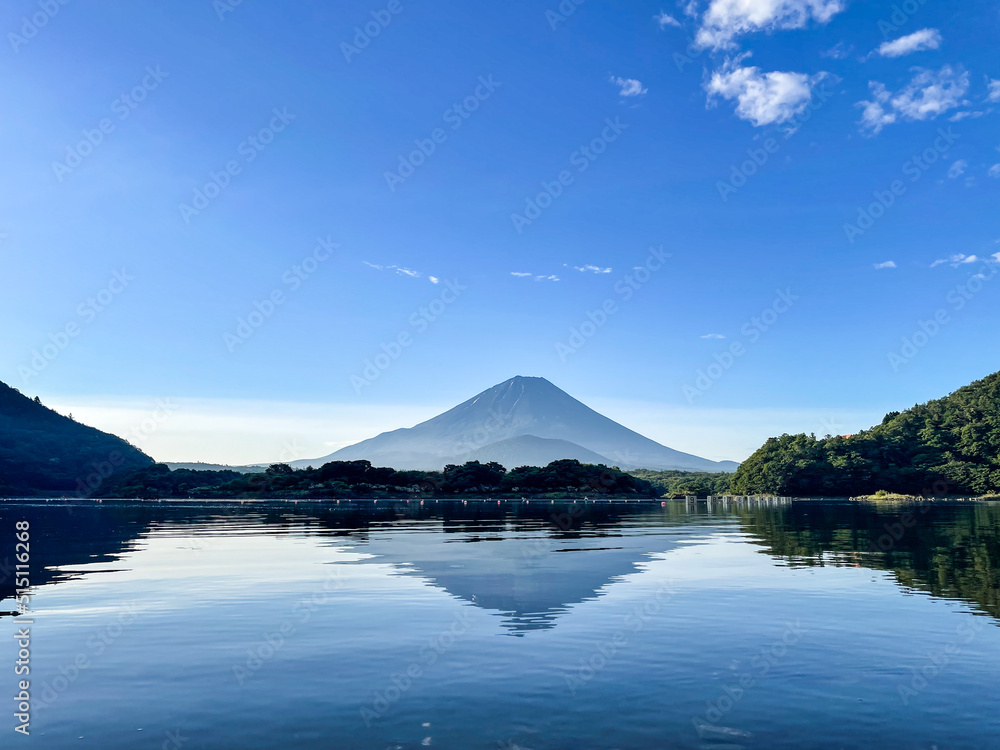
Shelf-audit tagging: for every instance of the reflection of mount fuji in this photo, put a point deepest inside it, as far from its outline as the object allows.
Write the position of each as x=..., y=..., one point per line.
x=529, y=577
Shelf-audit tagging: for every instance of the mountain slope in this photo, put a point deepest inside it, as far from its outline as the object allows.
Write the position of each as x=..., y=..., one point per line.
x=528, y=450
x=518, y=407
x=43, y=451
x=948, y=446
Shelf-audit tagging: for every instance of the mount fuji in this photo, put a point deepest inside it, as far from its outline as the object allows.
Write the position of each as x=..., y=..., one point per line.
x=523, y=421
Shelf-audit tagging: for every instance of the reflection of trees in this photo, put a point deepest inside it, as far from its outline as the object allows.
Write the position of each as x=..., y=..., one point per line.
x=948, y=550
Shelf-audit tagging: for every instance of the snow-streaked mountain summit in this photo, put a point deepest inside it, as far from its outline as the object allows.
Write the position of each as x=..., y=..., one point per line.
x=523, y=421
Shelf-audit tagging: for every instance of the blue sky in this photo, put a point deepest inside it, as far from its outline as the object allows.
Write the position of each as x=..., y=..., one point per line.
x=464, y=189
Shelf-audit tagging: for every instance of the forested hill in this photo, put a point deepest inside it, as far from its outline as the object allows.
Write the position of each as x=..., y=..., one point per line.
x=43, y=451
x=946, y=447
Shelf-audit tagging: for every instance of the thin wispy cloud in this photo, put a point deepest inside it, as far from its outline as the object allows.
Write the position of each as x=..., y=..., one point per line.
x=665, y=20
x=956, y=260
x=547, y=278
x=629, y=87
x=994, y=171
x=540, y=277
x=957, y=169
x=401, y=271
x=724, y=20
x=928, y=95
x=918, y=41
x=994, y=91
x=592, y=269
x=886, y=265
x=521, y=274
x=713, y=336
x=761, y=98
x=840, y=51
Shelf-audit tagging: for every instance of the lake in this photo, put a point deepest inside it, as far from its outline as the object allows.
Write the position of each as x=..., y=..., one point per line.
x=528, y=625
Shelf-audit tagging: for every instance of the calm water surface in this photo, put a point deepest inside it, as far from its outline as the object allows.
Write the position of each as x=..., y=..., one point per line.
x=525, y=625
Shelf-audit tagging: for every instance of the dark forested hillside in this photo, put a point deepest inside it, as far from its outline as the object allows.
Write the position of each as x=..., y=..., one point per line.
x=946, y=447
x=359, y=479
x=43, y=451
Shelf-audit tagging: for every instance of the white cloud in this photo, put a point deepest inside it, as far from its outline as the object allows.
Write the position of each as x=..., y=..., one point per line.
x=762, y=98
x=996, y=257
x=915, y=42
x=434, y=279
x=592, y=269
x=400, y=270
x=928, y=95
x=546, y=278
x=887, y=264
x=959, y=116
x=956, y=260
x=726, y=19
x=520, y=274
x=629, y=86
x=995, y=171
x=994, y=95
x=957, y=169
x=713, y=336
x=665, y=19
